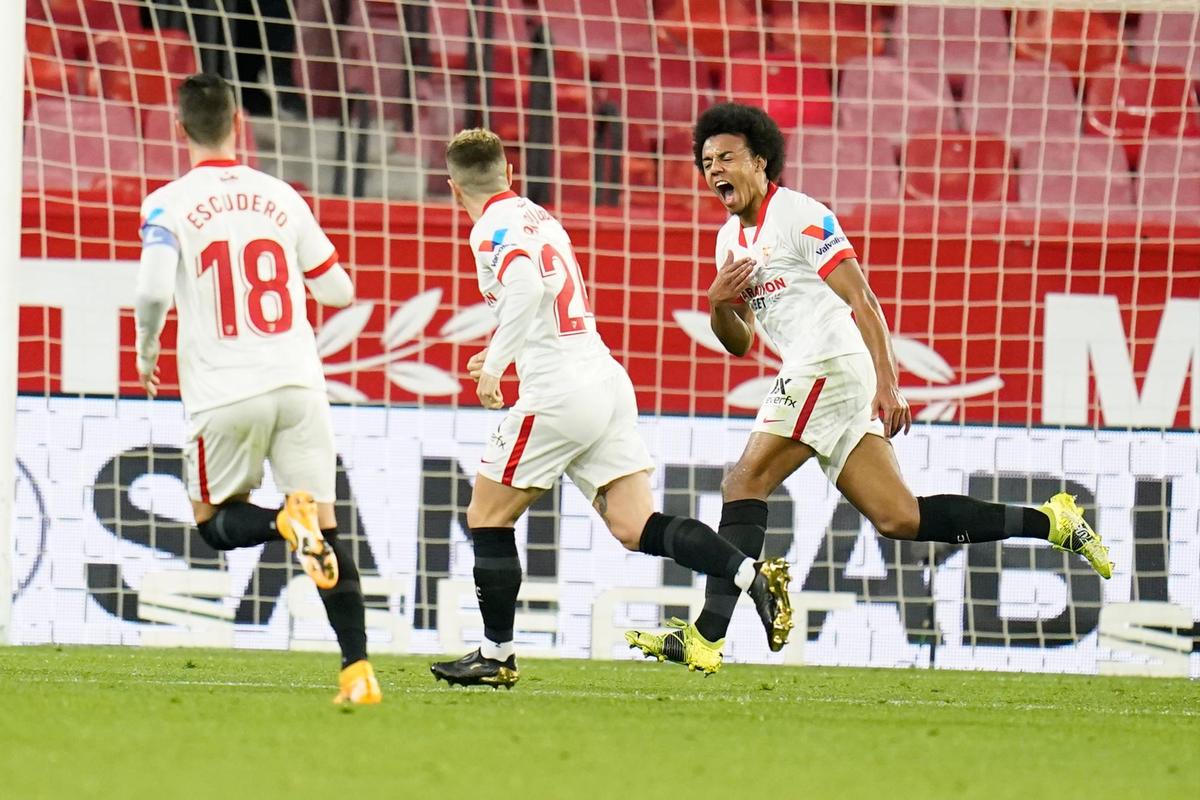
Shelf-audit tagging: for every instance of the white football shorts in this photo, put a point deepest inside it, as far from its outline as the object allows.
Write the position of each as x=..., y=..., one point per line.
x=290, y=426
x=826, y=405
x=590, y=434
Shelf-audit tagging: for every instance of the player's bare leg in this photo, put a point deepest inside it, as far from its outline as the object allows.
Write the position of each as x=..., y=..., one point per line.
x=626, y=506
x=871, y=481
x=494, y=510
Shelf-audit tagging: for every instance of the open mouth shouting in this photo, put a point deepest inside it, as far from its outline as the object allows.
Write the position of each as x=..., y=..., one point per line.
x=725, y=191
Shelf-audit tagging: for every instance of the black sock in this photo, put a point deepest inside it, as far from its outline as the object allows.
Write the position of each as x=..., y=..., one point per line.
x=957, y=519
x=497, y=580
x=344, y=603
x=238, y=524
x=744, y=525
x=690, y=543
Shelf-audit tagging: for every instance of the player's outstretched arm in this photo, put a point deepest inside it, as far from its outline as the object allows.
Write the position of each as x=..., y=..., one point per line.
x=848, y=281
x=731, y=321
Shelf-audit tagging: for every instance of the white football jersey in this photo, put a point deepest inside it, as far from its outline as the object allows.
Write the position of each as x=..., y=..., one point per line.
x=563, y=349
x=246, y=242
x=795, y=245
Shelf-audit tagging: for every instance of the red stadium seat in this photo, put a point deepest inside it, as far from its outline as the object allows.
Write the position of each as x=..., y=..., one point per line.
x=951, y=168
x=315, y=69
x=1134, y=102
x=1169, y=179
x=713, y=30
x=144, y=69
x=1021, y=100
x=826, y=34
x=1082, y=41
x=842, y=169
x=164, y=153
x=1171, y=40
x=79, y=144
x=792, y=94
x=883, y=96
x=1074, y=179
x=652, y=92
x=959, y=38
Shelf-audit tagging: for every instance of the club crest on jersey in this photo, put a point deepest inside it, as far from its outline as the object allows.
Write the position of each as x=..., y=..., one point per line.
x=491, y=244
x=823, y=231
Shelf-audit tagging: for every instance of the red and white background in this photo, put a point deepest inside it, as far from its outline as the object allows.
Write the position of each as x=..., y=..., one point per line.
x=1045, y=305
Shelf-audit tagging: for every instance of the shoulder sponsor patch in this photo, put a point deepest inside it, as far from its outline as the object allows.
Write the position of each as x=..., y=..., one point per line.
x=823, y=231
x=489, y=245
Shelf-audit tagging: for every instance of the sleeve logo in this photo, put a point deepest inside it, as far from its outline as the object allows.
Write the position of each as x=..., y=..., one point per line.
x=491, y=244
x=823, y=231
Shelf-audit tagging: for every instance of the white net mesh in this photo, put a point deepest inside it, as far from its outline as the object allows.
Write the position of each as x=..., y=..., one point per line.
x=1022, y=184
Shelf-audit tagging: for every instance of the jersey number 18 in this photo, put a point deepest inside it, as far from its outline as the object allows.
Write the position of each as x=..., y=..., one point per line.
x=216, y=256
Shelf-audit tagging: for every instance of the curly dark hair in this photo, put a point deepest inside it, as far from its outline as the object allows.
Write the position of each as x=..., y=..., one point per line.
x=763, y=136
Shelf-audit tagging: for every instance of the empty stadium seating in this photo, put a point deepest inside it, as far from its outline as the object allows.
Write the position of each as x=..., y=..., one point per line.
x=1066, y=112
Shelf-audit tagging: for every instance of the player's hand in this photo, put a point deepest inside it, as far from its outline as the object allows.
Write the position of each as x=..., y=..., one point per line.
x=732, y=279
x=475, y=364
x=892, y=409
x=150, y=376
x=489, y=392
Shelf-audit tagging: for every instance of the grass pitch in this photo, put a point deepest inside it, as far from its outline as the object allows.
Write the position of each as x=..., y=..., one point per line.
x=133, y=723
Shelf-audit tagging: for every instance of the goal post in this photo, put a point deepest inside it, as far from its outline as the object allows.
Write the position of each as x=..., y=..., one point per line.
x=1033, y=241
x=12, y=56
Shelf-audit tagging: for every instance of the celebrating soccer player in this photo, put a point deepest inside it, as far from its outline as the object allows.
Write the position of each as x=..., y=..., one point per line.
x=783, y=259
x=235, y=248
x=576, y=414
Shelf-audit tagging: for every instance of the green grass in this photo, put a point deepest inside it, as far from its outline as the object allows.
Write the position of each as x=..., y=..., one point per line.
x=134, y=723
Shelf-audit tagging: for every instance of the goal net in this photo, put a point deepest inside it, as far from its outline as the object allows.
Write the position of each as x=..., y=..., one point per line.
x=1021, y=182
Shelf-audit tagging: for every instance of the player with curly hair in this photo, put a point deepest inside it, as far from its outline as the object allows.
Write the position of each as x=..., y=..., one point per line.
x=783, y=259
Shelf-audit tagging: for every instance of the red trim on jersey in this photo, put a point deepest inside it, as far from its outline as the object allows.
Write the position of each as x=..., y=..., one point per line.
x=835, y=261
x=322, y=268
x=762, y=215
x=217, y=162
x=809, y=404
x=508, y=259
x=202, y=471
x=510, y=469
x=496, y=198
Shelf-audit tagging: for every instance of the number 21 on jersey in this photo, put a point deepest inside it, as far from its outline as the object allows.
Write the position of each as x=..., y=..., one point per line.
x=571, y=307
x=261, y=296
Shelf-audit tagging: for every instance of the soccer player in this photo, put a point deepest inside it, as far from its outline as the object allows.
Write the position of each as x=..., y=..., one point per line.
x=782, y=258
x=235, y=248
x=576, y=414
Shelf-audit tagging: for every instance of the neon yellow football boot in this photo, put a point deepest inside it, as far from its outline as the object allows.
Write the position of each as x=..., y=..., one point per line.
x=1071, y=533
x=357, y=684
x=683, y=645
x=297, y=524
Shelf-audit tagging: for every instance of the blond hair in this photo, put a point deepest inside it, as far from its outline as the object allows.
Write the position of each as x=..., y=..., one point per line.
x=475, y=158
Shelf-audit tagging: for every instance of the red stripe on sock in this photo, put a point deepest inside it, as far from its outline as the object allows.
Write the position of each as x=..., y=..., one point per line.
x=809, y=404
x=510, y=469
x=203, y=472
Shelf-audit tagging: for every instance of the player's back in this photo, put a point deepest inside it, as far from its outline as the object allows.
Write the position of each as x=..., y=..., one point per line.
x=563, y=349
x=245, y=241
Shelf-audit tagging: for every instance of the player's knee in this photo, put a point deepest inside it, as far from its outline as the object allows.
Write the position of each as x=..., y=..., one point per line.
x=479, y=516
x=739, y=484
x=627, y=533
x=898, y=524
